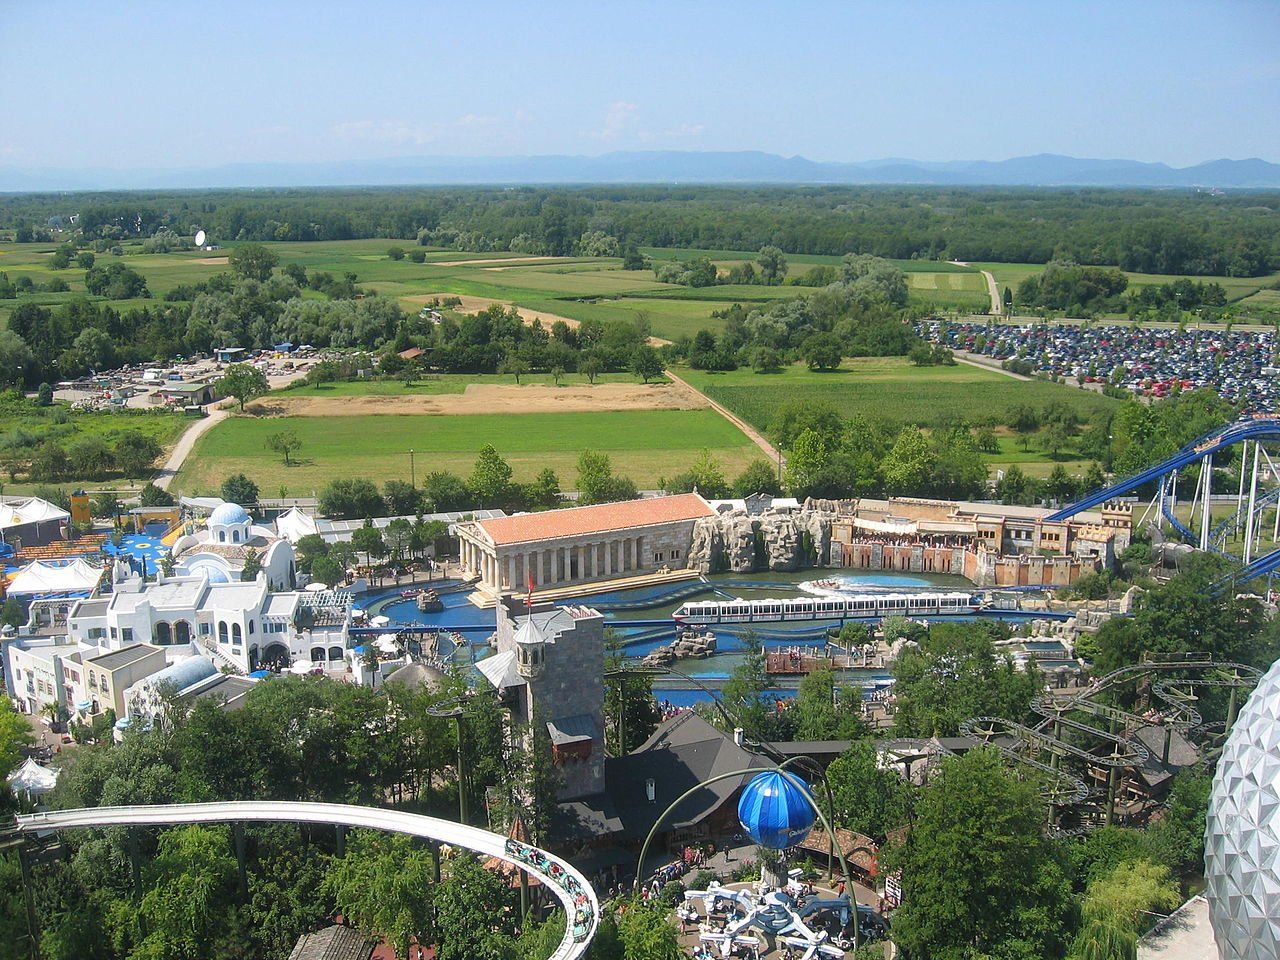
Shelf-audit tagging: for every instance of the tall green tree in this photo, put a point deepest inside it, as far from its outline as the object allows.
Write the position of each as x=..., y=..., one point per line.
x=869, y=798
x=773, y=265
x=385, y=885
x=490, y=480
x=253, y=261
x=242, y=381
x=15, y=736
x=822, y=711
x=188, y=886
x=954, y=674
x=645, y=362
x=238, y=488
x=284, y=442
x=646, y=932
x=475, y=914
x=978, y=876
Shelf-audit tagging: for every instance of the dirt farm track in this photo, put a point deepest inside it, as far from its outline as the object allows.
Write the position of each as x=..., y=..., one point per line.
x=489, y=398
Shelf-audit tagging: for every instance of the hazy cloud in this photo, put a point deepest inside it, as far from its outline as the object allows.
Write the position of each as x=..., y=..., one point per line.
x=616, y=118
x=403, y=132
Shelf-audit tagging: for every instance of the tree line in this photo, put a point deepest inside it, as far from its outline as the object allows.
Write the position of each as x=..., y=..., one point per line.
x=1144, y=231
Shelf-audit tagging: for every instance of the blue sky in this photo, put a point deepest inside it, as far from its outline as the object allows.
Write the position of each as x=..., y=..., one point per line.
x=174, y=84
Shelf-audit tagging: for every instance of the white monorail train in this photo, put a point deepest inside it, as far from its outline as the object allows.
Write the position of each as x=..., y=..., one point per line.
x=828, y=607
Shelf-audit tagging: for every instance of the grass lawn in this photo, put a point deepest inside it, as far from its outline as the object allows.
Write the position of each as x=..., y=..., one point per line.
x=643, y=444
x=890, y=391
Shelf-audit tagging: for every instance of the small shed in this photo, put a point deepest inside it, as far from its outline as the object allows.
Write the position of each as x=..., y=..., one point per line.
x=229, y=354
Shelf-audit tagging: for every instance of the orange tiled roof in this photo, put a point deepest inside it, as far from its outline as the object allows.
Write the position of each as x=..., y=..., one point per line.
x=602, y=518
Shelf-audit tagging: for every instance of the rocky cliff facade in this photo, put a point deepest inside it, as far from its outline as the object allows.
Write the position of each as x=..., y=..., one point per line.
x=741, y=543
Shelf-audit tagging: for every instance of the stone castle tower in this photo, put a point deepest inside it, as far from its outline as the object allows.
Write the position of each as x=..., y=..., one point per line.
x=550, y=662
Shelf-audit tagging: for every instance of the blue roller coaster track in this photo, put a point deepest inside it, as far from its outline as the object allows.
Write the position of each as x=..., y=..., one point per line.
x=1256, y=427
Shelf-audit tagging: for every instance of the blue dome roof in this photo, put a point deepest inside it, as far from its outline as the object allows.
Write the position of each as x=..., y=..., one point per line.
x=212, y=572
x=228, y=514
x=776, y=811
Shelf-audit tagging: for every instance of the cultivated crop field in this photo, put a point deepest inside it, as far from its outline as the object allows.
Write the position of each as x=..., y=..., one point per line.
x=643, y=444
x=890, y=391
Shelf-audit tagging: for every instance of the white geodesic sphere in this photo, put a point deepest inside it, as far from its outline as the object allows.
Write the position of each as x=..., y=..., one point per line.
x=1242, y=835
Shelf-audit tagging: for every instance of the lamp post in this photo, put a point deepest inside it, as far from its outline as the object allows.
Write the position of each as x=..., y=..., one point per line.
x=413, y=480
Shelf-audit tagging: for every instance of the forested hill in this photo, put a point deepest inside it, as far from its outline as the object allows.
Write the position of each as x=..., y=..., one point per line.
x=745, y=166
x=1147, y=231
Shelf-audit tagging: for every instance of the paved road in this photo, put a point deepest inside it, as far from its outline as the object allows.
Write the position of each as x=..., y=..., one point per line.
x=185, y=443
x=752, y=434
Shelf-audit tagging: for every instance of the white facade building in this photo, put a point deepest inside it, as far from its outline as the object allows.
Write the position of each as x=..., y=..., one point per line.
x=240, y=626
x=219, y=550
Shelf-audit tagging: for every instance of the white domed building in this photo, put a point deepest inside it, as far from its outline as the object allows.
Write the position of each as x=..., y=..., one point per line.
x=1242, y=832
x=220, y=549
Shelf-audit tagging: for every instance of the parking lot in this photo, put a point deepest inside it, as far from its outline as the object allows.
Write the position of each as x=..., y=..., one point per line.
x=1147, y=361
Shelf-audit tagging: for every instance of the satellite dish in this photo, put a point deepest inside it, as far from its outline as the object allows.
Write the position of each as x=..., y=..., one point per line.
x=200, y=238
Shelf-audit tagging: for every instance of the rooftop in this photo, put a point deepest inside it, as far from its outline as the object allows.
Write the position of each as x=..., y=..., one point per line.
x=682, y=753
x=333, y=943
x=231, y=690
x=123, y=657
x=601, y=518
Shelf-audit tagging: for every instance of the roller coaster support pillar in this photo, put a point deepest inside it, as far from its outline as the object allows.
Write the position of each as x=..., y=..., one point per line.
x=135, y=862
x=524, y=897
x=1231, y=710
x=462, y=773
x=237, y=838
x=1113, y=775
x=1054, y=760
x=1253, y=499
x=33, y=923
x=1206, y=501
x=1244, y=468
x=340, y=840
x=1168, y=742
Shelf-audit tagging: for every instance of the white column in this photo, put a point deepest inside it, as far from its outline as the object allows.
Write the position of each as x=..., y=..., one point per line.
x=635, y=553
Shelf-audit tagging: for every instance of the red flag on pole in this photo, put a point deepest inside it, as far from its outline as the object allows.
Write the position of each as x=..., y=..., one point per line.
x=529, y=599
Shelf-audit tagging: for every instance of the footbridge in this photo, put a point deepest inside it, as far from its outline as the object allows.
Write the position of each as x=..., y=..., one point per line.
x=570, y=887
x=1250, y=431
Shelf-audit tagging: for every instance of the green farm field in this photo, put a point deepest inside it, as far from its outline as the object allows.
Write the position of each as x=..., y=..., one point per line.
x=890, y=391
x=643, y=444
x=443, y=384
x=1238, y=289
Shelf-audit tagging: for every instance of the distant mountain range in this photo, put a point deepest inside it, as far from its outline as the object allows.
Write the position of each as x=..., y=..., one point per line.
x=1043, y=170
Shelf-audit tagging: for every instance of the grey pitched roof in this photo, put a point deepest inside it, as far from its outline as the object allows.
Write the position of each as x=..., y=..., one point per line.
x=333, y=943
x=682, y=753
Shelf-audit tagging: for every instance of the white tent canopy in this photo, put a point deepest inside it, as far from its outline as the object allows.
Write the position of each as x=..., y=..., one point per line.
x=33, y=779
x=41, y=576
x=18, y=513
x=295, y=525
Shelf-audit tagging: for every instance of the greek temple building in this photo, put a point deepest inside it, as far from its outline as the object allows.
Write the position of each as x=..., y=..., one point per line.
x=561, y=548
